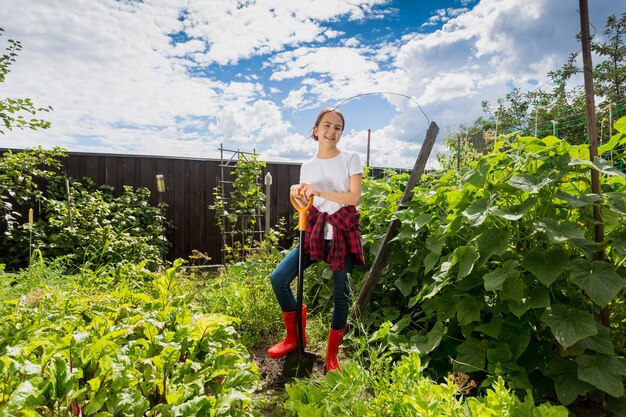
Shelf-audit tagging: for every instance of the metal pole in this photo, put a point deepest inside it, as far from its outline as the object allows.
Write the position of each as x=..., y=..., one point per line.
x=268, y=191
x=593, y=134
x=69, y=202
x=369, y=138
x=536, y=116
x=458, y=150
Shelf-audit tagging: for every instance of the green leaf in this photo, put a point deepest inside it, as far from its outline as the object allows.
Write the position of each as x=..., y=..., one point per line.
x=566, y=382
x=495, y=280
x=515, y=213
x=538, y=298
x=617, y=202
x=429, y=342
x=491, y=329
x=531, y=184
x=559, y=232
x=406, y=283
x=598, y=279
x=603, y=372
x=430, y=261
x=513, y=288
x=492, y=241
x=470, y=356
x=546, y=266
x=578, y=201
x=468, y=309
x=600, y=165
x=569, y=325
x=601, y=343
x=620, y=125
x=464, y=256
x=478, y=211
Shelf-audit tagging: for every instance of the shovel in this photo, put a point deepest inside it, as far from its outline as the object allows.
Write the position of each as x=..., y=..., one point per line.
x=298, y=363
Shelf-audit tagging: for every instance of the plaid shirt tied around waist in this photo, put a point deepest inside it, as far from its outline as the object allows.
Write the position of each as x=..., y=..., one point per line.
x=346, y=236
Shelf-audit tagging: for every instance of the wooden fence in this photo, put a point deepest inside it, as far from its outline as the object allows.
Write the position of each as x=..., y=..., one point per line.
x=189, y=185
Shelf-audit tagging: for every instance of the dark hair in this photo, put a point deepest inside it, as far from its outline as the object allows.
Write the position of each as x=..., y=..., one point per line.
x=319, y=119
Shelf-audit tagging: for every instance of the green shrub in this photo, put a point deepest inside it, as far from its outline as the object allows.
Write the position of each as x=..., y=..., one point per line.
x=494, y=271
x=99, y=230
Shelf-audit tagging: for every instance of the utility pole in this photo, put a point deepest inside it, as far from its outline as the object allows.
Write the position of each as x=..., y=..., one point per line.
x=593, y=134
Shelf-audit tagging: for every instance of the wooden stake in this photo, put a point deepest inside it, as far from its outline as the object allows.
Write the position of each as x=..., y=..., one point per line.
x=593, y=134
x=383, y=250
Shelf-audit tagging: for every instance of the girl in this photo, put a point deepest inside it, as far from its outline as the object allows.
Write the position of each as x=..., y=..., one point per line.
x=333, y=179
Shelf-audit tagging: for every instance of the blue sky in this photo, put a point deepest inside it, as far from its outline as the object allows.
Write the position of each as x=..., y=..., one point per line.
x=181, y=77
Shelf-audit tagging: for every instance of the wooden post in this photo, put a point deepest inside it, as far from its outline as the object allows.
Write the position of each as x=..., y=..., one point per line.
x=373, y=275
x=593, y=134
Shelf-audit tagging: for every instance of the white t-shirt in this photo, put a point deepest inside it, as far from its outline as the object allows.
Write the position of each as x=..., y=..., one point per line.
x=331, y=174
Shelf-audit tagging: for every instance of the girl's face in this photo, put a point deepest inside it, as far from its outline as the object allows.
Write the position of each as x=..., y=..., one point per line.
x=329, y=131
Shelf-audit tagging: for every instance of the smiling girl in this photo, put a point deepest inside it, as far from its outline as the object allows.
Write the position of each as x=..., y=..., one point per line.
x=333, y=178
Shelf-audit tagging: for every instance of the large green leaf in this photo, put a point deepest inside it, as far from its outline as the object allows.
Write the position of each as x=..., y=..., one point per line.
x=465, y=257
x=617, y=202
x=492, y=241
x=470, y=356
x=491, y=329
x=427, y=343
x=478, y=211
x=601, y=343
x=513, y=288
x=468, y=309
x=598, y=279
x=559, y=232
x=603, y=372
x=566, y=383
x=546, y=266
x=578, y=201
x=517, y=335
x=530, y=183
x=514, y=213
x=569, y=325
x=600, y=165
x=495, y=280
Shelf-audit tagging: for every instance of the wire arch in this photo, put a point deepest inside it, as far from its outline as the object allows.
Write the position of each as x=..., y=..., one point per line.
x=384, y=92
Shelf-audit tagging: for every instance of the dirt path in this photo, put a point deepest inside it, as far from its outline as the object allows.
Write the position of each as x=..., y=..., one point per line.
x=272, y=395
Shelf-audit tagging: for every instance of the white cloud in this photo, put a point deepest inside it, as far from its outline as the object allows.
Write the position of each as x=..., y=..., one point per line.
x=118, y=82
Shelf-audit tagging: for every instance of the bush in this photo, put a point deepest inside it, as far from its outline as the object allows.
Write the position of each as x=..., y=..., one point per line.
x=98, y=230
x=494, y=271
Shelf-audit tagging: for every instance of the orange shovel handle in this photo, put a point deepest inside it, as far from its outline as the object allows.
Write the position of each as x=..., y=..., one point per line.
x=302, y=211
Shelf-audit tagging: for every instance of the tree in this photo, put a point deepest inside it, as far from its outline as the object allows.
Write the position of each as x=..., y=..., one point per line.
x=12, y=110
x=610, y=75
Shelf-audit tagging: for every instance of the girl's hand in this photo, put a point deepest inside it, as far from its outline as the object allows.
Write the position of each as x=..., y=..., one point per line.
x=296, y=191
x=307, y=191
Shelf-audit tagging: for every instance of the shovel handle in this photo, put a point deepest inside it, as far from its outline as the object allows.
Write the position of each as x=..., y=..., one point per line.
x=302, y=211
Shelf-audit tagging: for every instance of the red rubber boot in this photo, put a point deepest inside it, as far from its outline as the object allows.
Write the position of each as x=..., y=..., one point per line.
x=334, y=340
x=291, y=339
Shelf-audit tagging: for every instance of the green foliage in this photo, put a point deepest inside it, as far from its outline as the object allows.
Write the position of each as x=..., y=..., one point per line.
x=21, y=174
x=12, y=109
x=402, y=390
x=494, y=270
x=610, y=74
x=560, y=111
x=238, y=214
x=242, y=290
x=121, y=352
x=99, y=230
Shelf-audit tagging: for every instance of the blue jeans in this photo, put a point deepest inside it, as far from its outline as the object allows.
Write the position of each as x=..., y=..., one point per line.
x=287, y=271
